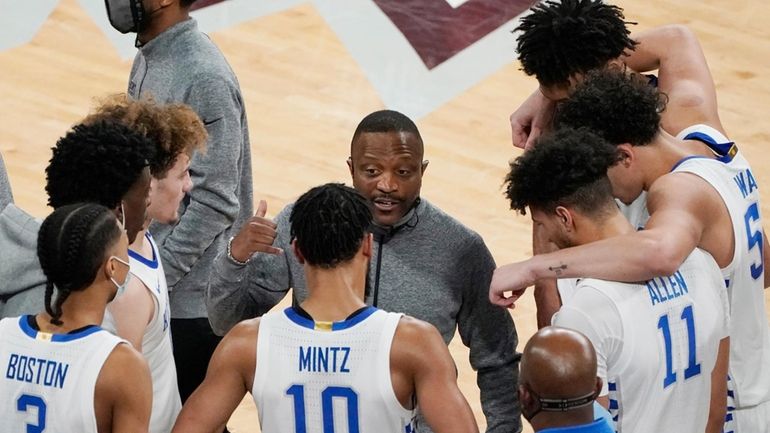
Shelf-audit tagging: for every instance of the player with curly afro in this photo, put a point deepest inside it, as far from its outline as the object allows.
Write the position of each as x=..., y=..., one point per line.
x=563, y=182
x=106, y=163
x=701, y=192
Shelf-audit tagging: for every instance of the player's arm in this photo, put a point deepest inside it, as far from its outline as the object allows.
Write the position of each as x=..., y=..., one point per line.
x=680, y=207
x=546, y=290
x=123, y=394
x=718, y=408
x=229, y=377
x=683, y=75
x=132, y=311
x=419, y=349
x=533, y=117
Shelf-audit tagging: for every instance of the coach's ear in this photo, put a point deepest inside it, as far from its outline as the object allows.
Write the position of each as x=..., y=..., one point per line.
x=297, y=252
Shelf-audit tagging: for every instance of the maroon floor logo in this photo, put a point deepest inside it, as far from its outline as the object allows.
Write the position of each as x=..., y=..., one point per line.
x=437, y=31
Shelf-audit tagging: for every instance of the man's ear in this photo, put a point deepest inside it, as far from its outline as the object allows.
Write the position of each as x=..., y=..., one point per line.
x=598, y=385
x=297, y=252
x=108, y=267
x=626, y=154
x=349, y=161
x=565, y=218
x=525, y=398
x=366, y=245
x=424, y=166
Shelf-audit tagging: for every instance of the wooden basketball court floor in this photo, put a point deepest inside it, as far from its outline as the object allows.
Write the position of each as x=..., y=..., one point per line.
x=305, y=93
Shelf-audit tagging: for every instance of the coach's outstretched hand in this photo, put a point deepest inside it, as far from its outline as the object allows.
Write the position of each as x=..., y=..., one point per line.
x=514, y=278
x=256, y=236
x=531, y=119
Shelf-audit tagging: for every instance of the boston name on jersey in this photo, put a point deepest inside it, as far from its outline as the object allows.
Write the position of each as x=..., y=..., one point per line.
x=35, y=370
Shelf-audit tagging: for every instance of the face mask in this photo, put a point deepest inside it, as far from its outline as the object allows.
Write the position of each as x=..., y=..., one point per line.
x=121, y=287
x=126, y=15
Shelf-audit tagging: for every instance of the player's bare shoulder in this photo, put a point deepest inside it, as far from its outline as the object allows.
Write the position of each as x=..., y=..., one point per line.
x=416, y=338
x=240, y=343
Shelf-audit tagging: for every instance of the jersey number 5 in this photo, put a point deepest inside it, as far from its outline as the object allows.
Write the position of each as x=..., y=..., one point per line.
x=755, y=239
x=693, y=367
x=23, y=404
x=300, y=424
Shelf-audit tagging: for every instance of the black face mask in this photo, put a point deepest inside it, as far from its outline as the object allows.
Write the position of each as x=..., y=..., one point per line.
x=126, y=15
x=558, y=404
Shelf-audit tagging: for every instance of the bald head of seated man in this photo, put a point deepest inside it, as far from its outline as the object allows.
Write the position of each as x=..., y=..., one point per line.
x=558, y=383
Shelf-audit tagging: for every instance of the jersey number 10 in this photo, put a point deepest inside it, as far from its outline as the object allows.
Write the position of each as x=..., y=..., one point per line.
x=693, y=367
x=300, y=424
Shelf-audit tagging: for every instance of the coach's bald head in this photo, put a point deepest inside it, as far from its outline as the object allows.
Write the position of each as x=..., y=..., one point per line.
x=558, y=364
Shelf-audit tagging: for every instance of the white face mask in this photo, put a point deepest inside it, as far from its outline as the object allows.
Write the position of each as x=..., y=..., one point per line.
x=121, y=287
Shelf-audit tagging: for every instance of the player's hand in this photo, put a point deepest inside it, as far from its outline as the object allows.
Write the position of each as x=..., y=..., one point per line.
x=531, y=119
x=256, y=236
x=513, y=278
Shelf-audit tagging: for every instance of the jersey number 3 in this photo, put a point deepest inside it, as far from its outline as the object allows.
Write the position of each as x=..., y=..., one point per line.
x=23, y=404
x=298, y=392
x=693, y=367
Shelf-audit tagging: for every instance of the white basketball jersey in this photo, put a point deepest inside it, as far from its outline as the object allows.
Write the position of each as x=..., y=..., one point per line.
x=156, y=342
x=323, y=377
x=636, y=213
x=656, y=343
x=48, y=380
x=744, y=276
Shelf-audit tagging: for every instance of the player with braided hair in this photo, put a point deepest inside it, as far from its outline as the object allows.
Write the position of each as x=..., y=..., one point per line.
x=332, y=346
x=61, y=370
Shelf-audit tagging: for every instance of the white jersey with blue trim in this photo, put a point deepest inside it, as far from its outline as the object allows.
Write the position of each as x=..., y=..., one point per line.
x=48, y=380
x=732, y=178
x=636, y=213
x=656, y=343
x=156, y=342
x=317, y=377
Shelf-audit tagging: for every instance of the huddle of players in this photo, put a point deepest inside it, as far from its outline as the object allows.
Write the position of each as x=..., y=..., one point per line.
x=700, y=255
x=669, y=283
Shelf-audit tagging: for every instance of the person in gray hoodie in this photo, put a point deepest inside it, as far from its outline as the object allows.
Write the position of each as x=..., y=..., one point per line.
x=105, y=163
x=176, y=63
x=6, y=194
x=426, y=264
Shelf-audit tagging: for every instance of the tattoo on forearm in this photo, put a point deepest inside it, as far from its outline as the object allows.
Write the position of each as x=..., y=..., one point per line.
x=557, y=269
